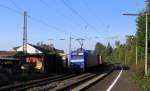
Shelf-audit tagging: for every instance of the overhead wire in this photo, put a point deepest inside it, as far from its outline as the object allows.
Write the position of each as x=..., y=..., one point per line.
x=35, y=19
x=80, y=16
x=76, y=12
x=51, y=26
x=94, y=14
x=32, y=18
x=10, y=9
x=61, y=14
x=85, y=21
x=16, y=5
x=100, y=20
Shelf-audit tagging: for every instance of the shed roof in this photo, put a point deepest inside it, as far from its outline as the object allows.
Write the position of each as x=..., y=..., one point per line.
x=7, y=53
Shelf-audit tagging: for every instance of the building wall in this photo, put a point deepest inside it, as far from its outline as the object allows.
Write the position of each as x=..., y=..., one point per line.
x=30, y=49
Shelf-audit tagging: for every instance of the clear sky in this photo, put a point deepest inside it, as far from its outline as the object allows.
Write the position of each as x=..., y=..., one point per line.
x=57, y=19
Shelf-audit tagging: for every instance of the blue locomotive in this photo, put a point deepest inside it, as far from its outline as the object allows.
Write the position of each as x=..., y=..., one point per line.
x=83, y=59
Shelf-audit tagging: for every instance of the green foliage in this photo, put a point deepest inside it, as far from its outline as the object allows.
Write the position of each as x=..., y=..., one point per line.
x=126, y=53
x=139, y=77
x=104, y=51
x=109, y=50
x=99, y=49
x=117, y=43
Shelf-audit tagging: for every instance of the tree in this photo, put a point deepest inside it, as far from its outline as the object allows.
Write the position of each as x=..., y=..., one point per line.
x=108, y=53
x=117, y=43
x=109, y=50
x=99, y=48
x=140, y=34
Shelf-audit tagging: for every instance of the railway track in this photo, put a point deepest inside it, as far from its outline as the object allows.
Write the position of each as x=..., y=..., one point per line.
x=76, y=83
x=73, y=82
x=35, y=83
x=84, y=83
x=57, y=85
x=62, y=82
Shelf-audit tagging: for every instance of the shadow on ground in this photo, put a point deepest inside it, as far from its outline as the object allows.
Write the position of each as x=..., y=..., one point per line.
x=119, y=66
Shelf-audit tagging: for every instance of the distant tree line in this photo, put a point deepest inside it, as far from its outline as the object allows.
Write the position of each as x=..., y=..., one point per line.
x=126, y=53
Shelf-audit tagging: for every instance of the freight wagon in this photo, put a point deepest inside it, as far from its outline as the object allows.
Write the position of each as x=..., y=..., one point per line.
x=45, y=63
x=11, y=64
x=83, y=59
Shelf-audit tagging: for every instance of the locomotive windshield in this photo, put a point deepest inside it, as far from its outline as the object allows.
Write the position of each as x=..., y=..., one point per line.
x=77, y=56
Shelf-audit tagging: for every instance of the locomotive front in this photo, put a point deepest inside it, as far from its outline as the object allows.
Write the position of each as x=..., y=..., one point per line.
x=77, y=60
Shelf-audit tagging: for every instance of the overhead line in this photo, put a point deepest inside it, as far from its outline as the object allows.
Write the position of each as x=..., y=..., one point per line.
x=32, y=18
x=61, y=14
x=77, y=13
x=96, y=16
x=47, y=5
x=73, y=10
x=86, y=5
x=10, y=9
x=50, y=26
x=37, y=20
x=16, y=5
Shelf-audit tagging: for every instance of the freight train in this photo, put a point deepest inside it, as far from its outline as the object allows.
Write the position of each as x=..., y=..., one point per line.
x=83, y=59
x=10, y=65
x=45, y=63
x=41, y=63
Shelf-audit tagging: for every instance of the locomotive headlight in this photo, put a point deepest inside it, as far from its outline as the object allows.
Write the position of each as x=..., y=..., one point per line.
x=22, y=67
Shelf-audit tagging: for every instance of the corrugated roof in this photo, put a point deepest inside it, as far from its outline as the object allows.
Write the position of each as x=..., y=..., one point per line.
x=44, y=48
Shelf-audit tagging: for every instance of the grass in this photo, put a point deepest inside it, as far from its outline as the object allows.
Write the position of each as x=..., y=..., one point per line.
x=139, y=76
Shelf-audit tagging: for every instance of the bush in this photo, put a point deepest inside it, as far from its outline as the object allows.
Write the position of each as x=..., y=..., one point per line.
x=138, y=74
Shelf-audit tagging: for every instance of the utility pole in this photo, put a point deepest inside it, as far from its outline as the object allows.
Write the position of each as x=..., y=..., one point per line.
x=125, y=54
x=146, y=38
x=136, y=61
x=70, y=44
x=146, y=35
x=126, y=51
x=25, y=32
x=146, y=44
x=136, y=52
